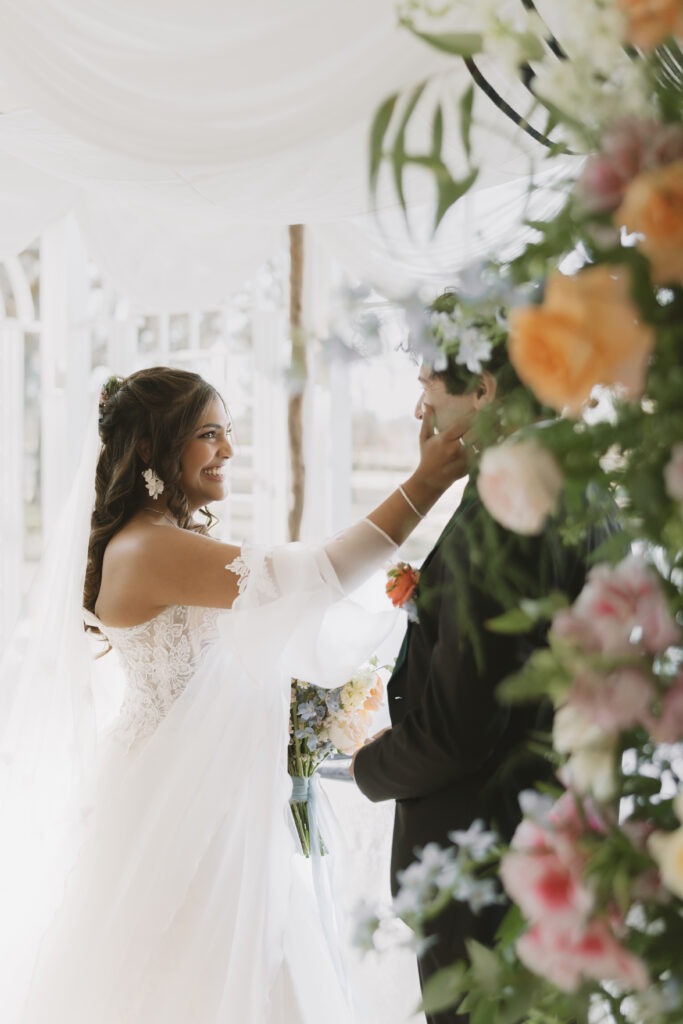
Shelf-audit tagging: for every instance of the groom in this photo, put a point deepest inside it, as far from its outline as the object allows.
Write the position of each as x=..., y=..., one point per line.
x=454, y=754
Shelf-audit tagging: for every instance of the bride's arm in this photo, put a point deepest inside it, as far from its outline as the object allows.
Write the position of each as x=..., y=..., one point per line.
x=180, y=567
x=360, y=549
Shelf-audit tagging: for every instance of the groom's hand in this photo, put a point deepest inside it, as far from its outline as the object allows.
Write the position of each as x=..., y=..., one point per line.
x=370, y=739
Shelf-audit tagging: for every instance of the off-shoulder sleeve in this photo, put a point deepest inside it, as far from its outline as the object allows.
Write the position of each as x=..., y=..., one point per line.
x=293, y=616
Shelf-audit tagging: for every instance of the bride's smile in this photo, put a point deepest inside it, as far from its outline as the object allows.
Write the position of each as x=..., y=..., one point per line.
x=205, y=457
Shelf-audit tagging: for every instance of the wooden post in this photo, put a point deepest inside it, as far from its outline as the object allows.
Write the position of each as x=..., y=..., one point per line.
x=298, y=376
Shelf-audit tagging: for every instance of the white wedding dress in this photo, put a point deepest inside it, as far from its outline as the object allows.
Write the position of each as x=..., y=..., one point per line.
x=186, y=901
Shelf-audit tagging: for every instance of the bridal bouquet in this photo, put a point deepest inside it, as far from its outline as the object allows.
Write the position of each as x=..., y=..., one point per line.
x=323, y=722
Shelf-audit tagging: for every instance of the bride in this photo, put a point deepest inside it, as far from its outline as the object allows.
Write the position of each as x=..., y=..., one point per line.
x=151, y=875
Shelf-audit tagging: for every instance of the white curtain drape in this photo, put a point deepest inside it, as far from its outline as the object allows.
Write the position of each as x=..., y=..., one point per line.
x=172, y=127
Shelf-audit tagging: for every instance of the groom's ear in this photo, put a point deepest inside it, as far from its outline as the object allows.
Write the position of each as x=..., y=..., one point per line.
x=487, y=388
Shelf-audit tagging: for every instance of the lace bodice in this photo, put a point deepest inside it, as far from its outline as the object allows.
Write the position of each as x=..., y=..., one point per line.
x=159, y=658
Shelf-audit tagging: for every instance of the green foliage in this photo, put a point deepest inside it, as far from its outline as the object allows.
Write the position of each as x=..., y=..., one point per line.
x=444, y=989
x=614, y=462
x=457, y=44
x=542, y=675
x=378, y=131
x=528, y=614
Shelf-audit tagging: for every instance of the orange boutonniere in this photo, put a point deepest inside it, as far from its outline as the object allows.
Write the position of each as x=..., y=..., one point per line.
x=401, y=587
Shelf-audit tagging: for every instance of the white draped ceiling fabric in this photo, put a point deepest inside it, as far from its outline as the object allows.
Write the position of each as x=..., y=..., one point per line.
x=185, y=133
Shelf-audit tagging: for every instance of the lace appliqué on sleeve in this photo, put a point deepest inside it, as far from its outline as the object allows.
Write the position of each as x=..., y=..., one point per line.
x=241, y=570
x=254, y=575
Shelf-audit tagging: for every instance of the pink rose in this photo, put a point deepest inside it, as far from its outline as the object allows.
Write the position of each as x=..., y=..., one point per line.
x=519, y=483
x=629, y=147
x=571, y=815
x=616, y=700
x=673, y=475
x=541, y=884
x=530, y=836
x=535, y=839
x=566, y=958
x=620, y=610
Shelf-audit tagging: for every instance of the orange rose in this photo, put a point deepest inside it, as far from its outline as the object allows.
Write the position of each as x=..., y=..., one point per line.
x=586, y=332
x=651, y=21
x=653, y=208
x=401, y=584
x=373, y=700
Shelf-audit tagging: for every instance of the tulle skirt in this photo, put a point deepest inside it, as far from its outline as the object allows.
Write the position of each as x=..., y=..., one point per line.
x=188, y=901
x=175, y=894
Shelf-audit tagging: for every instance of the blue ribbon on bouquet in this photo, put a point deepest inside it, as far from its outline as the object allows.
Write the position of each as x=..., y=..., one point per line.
x=325, y=835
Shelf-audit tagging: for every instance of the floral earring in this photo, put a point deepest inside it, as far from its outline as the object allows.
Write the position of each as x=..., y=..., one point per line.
x=153, y=483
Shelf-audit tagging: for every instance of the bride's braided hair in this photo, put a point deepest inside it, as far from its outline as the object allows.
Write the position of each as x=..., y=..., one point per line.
x=161, y=406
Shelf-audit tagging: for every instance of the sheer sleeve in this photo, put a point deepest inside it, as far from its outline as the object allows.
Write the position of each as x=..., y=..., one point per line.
x=357, y=552
x=293, y=615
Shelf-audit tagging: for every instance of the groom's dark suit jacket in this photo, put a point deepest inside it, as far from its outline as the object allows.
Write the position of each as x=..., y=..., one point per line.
x=455, y=753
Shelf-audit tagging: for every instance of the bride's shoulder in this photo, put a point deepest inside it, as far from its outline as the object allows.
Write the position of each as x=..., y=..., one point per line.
x=133, y=536
x=157, y=566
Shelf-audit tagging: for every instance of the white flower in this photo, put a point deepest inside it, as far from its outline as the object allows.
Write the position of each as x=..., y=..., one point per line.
x=357, y=689
x=366, y=922
x=592, y=95
x=535, y=805
x=595, y=25
x=473, y=350
x=667, y=850
x=573, y=730
x=446, y=327
x=520, y=483
x=408, y=902
x=476, y=840
x=513, y=37
x=593, y=770
x=592, y=765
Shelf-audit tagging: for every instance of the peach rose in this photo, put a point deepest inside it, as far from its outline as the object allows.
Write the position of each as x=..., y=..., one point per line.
x=586, y=332
x=373, y=700
x=649, y=22
x=519, y=484
x=347, y=734
x=653, y=208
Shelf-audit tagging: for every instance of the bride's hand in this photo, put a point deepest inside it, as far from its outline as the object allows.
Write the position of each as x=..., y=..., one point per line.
x=443, y=456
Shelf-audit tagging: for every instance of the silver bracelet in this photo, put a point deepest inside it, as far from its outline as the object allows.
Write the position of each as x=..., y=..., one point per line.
x=416, y=510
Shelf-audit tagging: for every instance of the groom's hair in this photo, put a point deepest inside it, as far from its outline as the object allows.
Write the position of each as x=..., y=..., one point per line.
x=460, y=381
x=456, y=377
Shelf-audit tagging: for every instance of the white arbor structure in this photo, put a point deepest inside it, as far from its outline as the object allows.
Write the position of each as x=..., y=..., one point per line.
x=59, y=322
